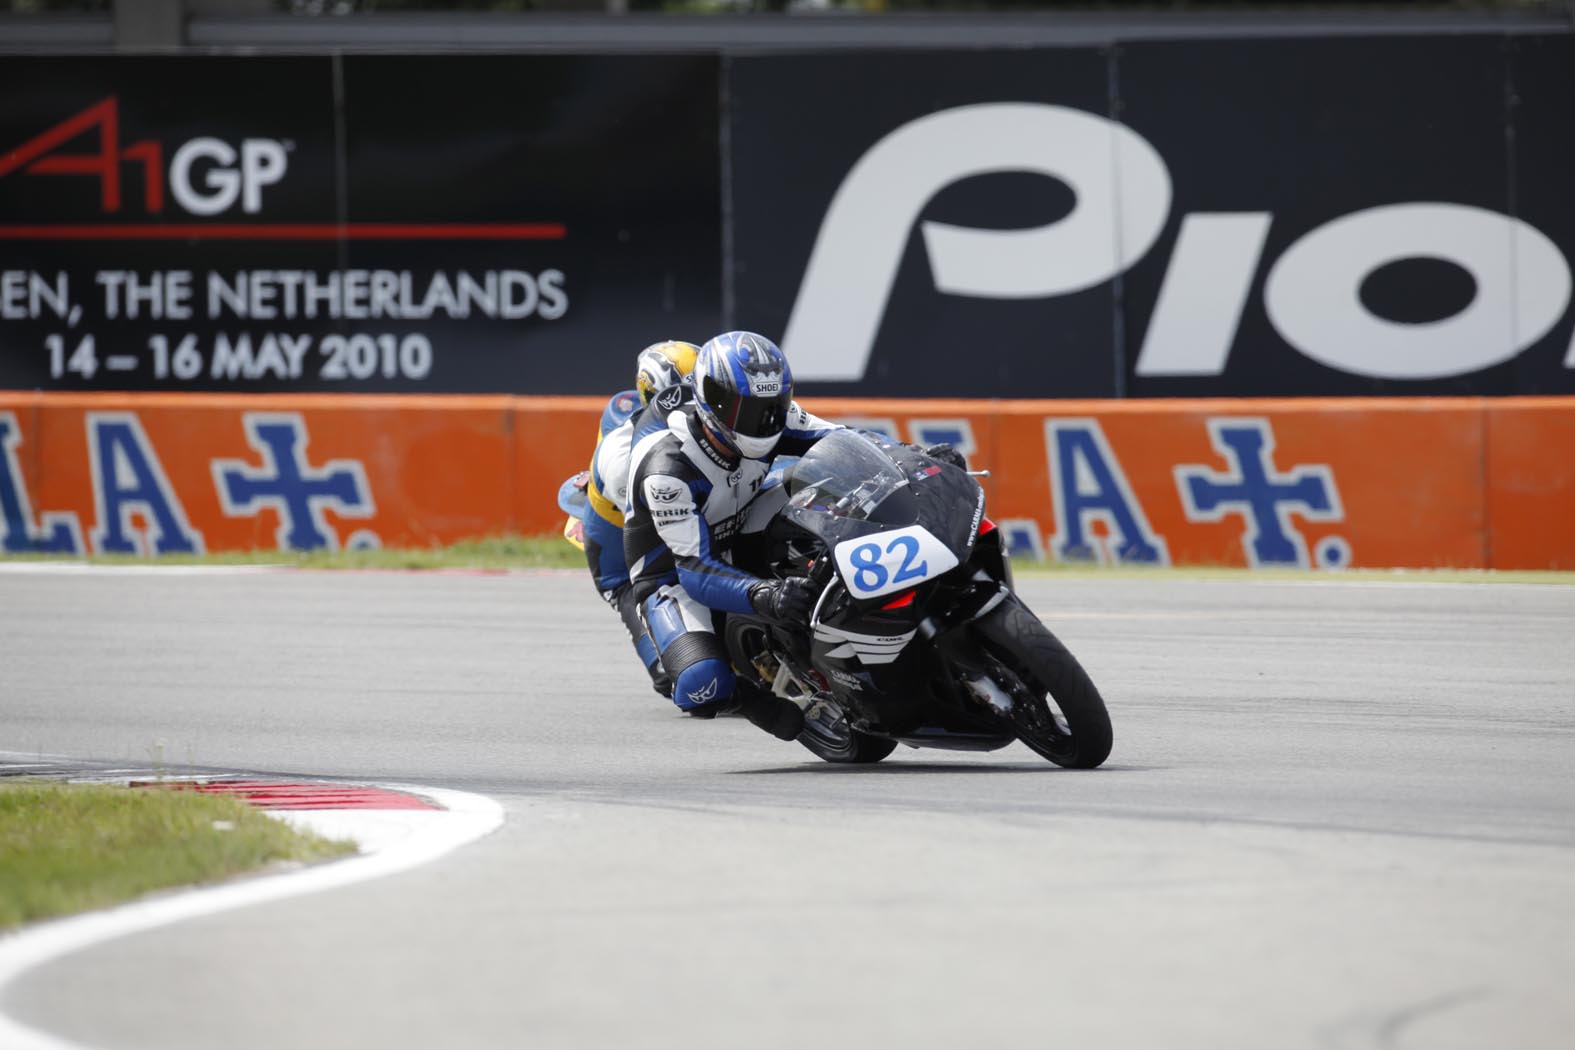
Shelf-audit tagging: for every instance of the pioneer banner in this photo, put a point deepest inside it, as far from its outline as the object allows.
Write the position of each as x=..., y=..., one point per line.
x=1294, y=483
x=1352, y=217
x=244, y=223
x=1336, y=216
x=874, y=209
x=1317, y=217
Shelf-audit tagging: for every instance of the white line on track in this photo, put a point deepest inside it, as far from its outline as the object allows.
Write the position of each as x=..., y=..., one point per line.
x=465, y=817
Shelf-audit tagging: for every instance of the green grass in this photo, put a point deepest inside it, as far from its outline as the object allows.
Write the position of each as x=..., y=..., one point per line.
x=1231, y=572
x=492, y=552
x=553, y=552
x=66, y=848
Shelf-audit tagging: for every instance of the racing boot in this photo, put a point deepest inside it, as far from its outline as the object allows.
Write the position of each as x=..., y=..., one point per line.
x=777, y=715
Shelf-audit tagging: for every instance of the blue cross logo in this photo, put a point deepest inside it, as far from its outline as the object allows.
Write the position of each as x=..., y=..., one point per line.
x=289, y=485
x=1264, y=497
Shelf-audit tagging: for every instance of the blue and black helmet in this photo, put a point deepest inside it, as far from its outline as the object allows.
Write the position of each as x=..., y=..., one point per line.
x=743, y=389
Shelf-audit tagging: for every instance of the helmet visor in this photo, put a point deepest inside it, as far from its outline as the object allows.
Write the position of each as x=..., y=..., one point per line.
x=752, y=415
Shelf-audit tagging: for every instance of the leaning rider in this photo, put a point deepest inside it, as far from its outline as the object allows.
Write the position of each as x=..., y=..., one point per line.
x=689, y=490
x=661, y=386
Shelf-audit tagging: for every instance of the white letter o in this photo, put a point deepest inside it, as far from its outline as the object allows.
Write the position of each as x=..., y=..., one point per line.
x=1313, y=292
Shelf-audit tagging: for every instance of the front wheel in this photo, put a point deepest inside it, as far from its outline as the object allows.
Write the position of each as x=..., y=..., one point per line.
x=1057, y=711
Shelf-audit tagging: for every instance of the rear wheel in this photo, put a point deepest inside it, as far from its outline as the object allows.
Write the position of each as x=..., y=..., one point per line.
x=828, y=734
x=826, y=730
x=1056, y=709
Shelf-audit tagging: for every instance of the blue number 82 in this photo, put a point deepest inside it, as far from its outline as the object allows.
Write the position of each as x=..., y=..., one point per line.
x=869, y=572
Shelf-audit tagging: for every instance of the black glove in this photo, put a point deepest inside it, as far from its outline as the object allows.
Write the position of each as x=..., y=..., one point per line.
x=947, y=454
x=784, y=601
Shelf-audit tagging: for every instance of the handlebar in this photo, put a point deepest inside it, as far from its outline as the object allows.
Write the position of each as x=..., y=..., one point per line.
x=822, y=571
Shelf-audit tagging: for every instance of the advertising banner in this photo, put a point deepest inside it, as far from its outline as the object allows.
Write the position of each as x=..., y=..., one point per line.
x=1315, y=217
x=186, y=474
x=931, y=223
x=1308, y=483
x=1345, y=219
x=1530, y=479
x=519, y=224
x=1270, y=484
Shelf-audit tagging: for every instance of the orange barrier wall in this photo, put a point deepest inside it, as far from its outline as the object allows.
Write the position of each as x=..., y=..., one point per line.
x=1401, y=482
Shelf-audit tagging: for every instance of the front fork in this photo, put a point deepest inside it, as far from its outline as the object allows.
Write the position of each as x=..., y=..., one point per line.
x=978, y=680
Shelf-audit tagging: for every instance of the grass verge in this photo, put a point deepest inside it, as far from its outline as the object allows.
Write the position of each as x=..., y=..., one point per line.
x=1237, y=574
x=492, y=552
x=66, y=848
x=553, y=552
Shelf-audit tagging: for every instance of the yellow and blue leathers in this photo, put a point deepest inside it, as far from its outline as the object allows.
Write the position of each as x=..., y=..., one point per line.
x=602, y=517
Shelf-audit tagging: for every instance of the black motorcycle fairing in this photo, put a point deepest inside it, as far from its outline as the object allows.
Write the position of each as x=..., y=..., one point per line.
x=877, y=663
x=898, y=486
x=989, y=555
x=951, y=661
x=872, y=653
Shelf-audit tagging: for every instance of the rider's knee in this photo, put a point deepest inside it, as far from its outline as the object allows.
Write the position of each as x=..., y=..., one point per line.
x=702, y=684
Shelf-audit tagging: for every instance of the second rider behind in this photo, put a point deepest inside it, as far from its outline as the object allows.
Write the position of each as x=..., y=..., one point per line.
x=662, y=385
x=689, y=487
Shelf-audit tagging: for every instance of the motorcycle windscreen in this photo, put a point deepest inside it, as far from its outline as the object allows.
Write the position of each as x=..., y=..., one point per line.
x=846, y=477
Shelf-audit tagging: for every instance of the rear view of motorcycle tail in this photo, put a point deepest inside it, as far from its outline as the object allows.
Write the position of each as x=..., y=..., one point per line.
x=918, y=637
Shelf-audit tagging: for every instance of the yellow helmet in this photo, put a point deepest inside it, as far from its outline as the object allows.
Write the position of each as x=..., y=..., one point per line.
x=663, y=365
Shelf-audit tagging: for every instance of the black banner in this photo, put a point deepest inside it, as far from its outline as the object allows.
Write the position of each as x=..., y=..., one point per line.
x=1353, y=200
x=1542, y=156
x=913, y=147
x=454, y=224
x=1338, y=216
x=1326, y=216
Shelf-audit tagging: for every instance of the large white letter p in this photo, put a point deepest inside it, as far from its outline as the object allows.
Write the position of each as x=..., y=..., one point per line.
x=1123, y=196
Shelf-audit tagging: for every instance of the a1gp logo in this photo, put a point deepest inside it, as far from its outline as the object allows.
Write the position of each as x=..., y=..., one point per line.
x=1123, y=190
x=206, y=176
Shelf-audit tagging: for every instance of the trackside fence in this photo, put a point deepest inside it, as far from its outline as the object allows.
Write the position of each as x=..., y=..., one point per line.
x=1319, y=483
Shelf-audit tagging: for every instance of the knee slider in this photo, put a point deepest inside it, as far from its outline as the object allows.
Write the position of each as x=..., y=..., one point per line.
x=708, y=681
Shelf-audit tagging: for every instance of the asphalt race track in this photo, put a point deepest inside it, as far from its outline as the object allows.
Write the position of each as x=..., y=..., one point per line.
x=1337, y=815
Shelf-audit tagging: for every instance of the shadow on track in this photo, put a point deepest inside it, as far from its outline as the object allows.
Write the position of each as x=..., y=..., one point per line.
x=909, y=768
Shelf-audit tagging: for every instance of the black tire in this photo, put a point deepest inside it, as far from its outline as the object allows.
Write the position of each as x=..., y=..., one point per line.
x=841, y=743
x=1016, y=637
x=832, y=741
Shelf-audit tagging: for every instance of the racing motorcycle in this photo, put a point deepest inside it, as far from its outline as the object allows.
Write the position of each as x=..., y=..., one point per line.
x=918, y=637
